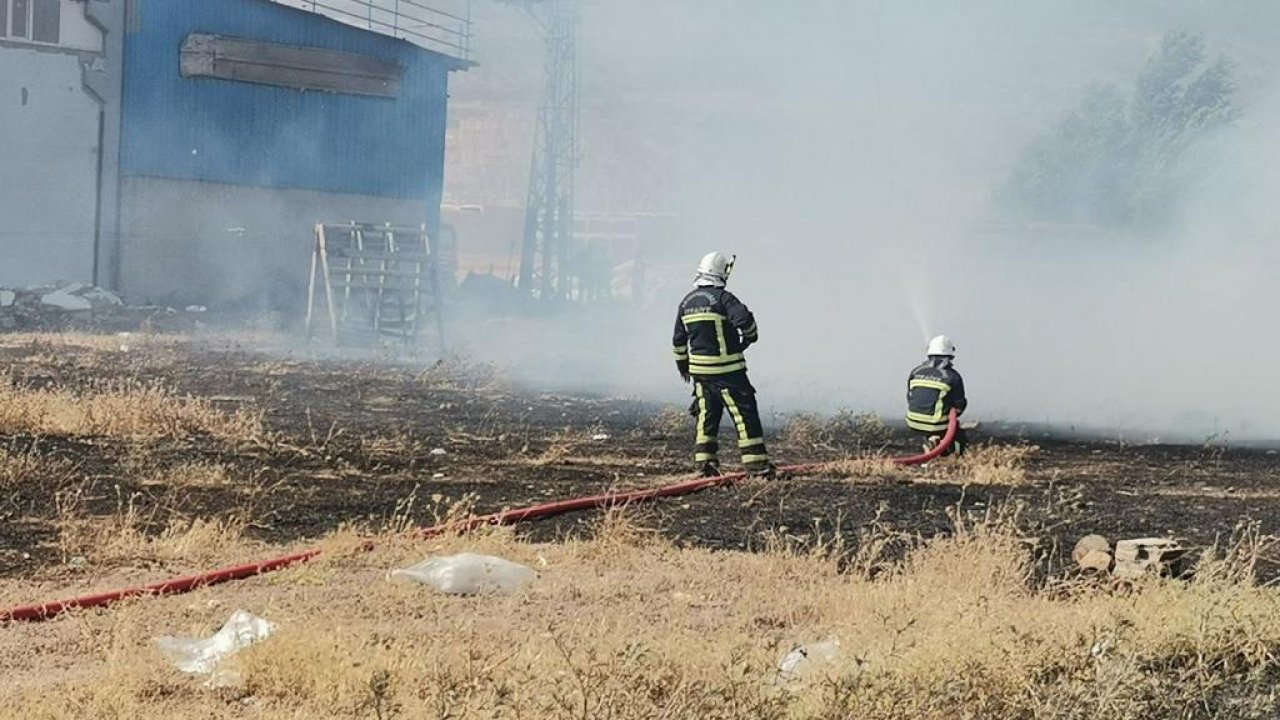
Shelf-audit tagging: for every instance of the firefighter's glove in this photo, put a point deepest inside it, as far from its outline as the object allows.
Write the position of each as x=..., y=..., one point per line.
x=683, y=367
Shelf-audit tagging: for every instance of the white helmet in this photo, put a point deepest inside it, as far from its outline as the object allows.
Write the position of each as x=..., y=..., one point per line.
x=942, y=345
x=715, y=268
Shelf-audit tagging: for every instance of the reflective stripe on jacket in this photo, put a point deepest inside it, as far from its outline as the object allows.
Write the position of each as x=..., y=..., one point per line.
x=933, y=389
x=712, y=330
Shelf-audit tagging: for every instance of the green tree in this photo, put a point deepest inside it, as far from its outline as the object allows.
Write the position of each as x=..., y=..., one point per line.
x=1125, y=162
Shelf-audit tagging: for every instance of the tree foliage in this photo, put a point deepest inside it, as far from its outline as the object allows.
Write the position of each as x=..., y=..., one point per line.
x=1124, y=161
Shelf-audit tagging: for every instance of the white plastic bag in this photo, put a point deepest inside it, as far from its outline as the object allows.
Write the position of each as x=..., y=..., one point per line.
x=201, y=657
x=468, y=573
x=798, y=664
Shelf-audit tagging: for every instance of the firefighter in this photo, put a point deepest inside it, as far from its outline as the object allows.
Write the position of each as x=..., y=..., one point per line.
x=933, y=390
x=713, y=329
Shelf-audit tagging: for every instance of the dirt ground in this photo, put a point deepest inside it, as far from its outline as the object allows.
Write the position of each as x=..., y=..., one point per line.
x=365, y=444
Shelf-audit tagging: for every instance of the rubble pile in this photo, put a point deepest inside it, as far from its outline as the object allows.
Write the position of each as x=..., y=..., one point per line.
x=1132, y=559
x=55, y=306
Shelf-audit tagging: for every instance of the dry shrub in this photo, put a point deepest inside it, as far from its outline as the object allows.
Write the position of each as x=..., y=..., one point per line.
x=846, y=429
x=22, y=465
x=460, y=373
x=621, y=529
x=670, y=422
x=864, y=467
x=996, y=464
x=134, y=535
x=201, y=474
x=129, y=409
x=802, y=429
x=143, y=463
x=559, y=447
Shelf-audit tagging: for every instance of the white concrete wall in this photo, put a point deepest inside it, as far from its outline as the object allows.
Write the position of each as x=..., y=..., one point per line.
x=197, y=242
x=48, y=167
x=76, y=30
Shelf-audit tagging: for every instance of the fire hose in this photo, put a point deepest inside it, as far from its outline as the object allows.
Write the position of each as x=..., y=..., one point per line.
x=176, y=586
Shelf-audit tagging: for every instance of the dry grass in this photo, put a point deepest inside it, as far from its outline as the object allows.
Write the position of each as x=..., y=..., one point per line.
x=864, y=467
x=20, y=465
x=995, y=464
x=560, y=447
x=134, y=535
x=110, y=343
x=126, y=409
x=625, y=625
x=461, y=373
x=844, y=431
x=670, y=422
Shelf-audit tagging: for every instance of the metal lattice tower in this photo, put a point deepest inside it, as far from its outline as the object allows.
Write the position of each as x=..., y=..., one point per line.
x=548, y=226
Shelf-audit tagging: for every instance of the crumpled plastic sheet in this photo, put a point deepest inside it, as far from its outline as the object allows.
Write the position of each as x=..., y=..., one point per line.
x=468, y=574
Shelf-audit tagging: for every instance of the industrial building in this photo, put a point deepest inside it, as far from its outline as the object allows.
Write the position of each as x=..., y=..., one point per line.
x=183, y=150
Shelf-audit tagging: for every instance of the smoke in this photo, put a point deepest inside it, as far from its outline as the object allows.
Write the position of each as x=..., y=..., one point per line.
x=848, y=152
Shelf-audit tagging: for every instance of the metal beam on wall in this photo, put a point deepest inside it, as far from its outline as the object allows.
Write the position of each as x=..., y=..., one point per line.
x=105, y=80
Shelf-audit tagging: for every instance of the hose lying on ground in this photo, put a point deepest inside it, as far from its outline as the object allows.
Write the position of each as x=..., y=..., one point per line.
x=177, y=586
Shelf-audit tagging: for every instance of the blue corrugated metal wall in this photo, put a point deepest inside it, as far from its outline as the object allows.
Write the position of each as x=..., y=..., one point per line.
x=232, y=132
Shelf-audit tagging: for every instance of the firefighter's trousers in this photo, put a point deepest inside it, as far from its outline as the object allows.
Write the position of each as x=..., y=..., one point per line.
x=958, y=446
x=733, y=392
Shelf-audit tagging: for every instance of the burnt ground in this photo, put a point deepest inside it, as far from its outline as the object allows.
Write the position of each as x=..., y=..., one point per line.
x=351, y=443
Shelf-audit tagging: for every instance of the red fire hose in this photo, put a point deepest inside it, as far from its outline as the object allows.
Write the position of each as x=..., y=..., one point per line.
x=177, y=586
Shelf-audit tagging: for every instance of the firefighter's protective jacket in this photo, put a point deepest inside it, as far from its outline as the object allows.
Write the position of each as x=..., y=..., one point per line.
x=713, y=328
x=933, y=390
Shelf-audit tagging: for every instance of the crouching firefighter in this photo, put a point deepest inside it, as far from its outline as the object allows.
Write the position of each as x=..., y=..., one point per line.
x=933, y=390
x=713, y=329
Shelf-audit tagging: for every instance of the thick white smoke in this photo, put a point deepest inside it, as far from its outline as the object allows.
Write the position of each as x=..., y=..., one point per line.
x=849, y=152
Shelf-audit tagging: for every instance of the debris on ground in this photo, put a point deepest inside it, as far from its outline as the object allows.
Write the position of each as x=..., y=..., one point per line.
x=488, y=294
x=1135, y=558
x=1093, y=552
x=47, y=306
x=80, y=306
x=468, y=574
x=438, y=452
x=196, y=656
x=1131, y=559
x=803, y=661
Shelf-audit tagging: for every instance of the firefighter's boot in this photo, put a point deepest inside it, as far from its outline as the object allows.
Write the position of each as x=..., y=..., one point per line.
x=709, y=469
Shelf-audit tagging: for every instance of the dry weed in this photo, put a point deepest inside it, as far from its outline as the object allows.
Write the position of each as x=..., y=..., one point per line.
x=621, y=529
x=670, y=422
x=841, y=432
x=133, y=535
x=864, y=467
x=559, y=447
x=22, y=465
x=57, y=342
x=619, y=627
x=460, y=373
x=996, y=464
x=128, y=409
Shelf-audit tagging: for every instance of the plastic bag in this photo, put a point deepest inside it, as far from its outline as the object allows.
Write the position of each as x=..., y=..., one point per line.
x=468, y=573
x=804, y=660
x=201, y=657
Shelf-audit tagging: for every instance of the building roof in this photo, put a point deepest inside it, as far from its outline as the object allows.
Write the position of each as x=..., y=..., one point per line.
x=450, y=44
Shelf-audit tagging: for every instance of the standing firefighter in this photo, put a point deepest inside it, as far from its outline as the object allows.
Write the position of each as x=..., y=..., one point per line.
x=933, y=390
x=713, y=328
